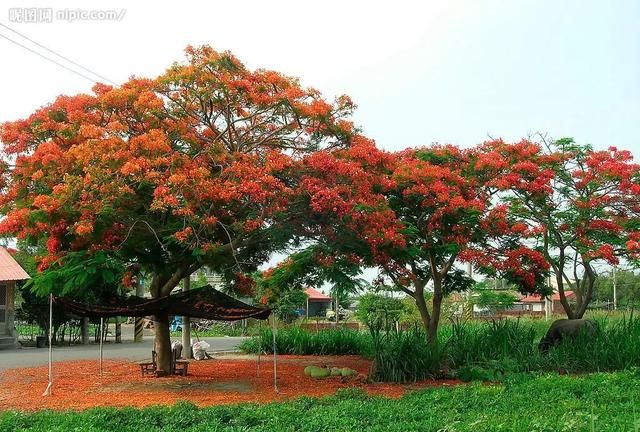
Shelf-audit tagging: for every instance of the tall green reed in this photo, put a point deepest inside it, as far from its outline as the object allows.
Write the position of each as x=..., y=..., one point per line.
x=295, y=340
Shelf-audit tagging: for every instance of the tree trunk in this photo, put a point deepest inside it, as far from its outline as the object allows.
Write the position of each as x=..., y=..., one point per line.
x=563, y=299
x=435, y=321
x=162, y=344
x=118, y=330
x=586, y=297
x=161, y=285
x=435, y=310
x=430, y=325
x=424, y=313
x=85, y=331
x=581, y=308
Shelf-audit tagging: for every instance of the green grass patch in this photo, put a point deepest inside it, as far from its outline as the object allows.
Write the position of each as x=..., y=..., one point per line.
x=596, y=402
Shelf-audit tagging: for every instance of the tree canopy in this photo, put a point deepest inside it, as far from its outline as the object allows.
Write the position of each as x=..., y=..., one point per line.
x=213, y=164
x=170, y=174
x=412, y=214
x=580, y=205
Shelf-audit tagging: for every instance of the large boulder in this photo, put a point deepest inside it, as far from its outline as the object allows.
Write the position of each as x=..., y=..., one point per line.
x=566, y=329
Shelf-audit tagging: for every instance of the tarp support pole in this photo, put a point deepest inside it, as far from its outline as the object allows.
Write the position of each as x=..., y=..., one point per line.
x=275, y=356
x=47, y=391
x=101, y=338
x=186, y=325
x=259, y=347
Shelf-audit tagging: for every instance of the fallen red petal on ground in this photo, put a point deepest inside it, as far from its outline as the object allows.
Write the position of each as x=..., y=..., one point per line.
x=78, y=384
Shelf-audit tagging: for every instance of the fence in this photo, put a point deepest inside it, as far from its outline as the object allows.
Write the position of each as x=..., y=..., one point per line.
x=317, y=326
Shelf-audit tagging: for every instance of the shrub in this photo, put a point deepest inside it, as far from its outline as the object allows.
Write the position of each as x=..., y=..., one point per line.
x=374, y=309
x=404, y=355
x=616, y=347
x=505, y=346
x=294, y=340
x=469, y=350
x=499, y=340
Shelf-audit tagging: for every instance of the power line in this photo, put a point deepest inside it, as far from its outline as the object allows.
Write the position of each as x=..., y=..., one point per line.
x=47, y=58
x=55, y=53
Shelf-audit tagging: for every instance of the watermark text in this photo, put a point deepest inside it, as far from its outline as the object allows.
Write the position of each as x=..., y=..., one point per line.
x=49, y=15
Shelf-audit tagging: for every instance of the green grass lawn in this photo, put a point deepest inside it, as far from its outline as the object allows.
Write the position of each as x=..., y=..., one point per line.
x=595, y=402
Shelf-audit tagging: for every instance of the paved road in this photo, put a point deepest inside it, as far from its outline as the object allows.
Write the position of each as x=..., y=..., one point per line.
x=126, y=350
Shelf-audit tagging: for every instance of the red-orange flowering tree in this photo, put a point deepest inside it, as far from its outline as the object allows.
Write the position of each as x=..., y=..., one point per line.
x=414, y=215
x=167, y=175
x=445, y=202
x=340, y=192
x=581, y=205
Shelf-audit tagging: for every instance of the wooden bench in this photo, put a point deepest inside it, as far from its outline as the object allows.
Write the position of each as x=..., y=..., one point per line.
x=178, y=367
x=149, y=368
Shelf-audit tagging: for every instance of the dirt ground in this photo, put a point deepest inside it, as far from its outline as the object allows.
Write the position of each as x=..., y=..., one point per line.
x=221, y=380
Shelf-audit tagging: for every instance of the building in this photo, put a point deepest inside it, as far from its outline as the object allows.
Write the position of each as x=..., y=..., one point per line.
x=529, y=305
x=535, y=304
x=10, y=272
x=317, y=303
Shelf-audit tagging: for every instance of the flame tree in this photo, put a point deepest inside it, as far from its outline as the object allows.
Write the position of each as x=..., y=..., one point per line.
x=581, y=205
x=414, y=215
x=165, y=175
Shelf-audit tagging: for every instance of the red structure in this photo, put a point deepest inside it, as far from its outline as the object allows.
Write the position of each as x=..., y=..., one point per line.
x=10, y=273
x=535, y=303
x=317, y=303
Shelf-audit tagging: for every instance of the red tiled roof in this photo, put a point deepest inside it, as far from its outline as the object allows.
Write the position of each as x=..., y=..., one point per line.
x=531, y=299
x=315, y=295
x=556, y=296
x=538, y=299
x=10, y=270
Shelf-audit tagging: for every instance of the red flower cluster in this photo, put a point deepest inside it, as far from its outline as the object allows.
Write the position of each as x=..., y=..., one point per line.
x=203, y=154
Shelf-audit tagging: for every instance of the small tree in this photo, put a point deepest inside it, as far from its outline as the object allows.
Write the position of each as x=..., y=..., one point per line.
x=377, y=309
x=486, y=298
x=310, y=266
x=581, y=205
x=98, y=271
x=627, y=288
x=287, y=303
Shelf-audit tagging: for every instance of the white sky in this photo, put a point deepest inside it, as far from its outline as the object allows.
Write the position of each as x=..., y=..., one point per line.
x=445, y=71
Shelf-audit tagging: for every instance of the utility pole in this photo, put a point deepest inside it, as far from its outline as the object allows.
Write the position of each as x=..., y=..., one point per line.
x=547, y=304
x=615, y=297
x=186, y=324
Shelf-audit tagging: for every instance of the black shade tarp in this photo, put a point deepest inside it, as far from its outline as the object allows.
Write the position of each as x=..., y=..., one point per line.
x=205, y=302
